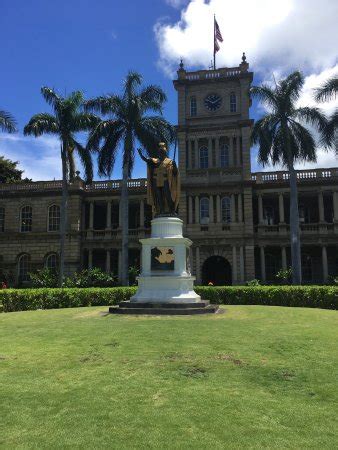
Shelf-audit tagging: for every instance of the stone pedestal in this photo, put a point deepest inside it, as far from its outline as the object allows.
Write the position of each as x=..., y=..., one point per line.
x=165, y=275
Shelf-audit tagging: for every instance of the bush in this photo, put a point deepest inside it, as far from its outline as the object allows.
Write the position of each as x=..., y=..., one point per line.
x=44, y=278
x=91, y=278
x=325, y=297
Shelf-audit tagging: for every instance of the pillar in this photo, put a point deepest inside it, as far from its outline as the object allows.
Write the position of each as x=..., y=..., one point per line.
x=211, y=209
x=325, y=266
x=198, y=265
x=120, y=214
x=238, y=151
x=335, y=206
x=260, y=209
x=210, y=162
x=321, y=207
x=190, y=214
x=241, y=263
x=218, y=209
x=234, y=265
x=281, y=208
x=284, y=262
x=142, y=213
x=231, y=154
x=240, y=208
x=108, y=220
x=218, y=159
x=233, y=208
x=197, y=209
x=263, y=273
x=108, y=260
x=90, y=258
x=91, y=215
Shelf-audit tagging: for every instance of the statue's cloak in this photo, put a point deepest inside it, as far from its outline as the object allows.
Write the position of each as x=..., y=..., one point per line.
x=160, y=172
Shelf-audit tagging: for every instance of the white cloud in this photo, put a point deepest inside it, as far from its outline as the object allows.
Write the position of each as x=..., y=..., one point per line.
x=39, y=158
x=276, y=34
x=176, y=3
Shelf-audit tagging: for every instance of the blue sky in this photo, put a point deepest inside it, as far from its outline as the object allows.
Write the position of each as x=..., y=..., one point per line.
x=90, y=46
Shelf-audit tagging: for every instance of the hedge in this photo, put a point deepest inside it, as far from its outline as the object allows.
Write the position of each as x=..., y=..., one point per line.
x=325, y=297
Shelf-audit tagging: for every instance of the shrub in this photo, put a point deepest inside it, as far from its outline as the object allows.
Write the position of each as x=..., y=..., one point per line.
x=91, y=278
x=253, y=282
x=44, y=278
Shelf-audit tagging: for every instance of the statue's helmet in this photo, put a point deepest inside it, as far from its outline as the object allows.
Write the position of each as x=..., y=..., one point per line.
x=163, y=146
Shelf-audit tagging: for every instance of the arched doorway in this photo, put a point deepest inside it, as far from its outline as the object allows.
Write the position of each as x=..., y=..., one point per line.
x=216, y=270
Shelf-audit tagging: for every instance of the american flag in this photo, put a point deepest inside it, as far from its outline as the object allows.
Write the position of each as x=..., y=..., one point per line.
x=217, y=37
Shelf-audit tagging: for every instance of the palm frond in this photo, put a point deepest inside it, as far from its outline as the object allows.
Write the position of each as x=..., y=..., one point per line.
x=85, y=122
x=132, y=81
x=152, y=98
x=291, y=86
x=40, y=124
x=329, y=136
x=312, y=116
x=265, y=95
x=109, y=150
x=7, y=122
x=86, y=160
x=328, y=91
x=50, y=95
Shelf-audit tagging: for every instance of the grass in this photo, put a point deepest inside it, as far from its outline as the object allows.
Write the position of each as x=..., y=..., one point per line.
x=254, y=377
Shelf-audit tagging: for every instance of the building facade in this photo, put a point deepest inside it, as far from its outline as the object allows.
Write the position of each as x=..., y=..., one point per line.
x=238, y=220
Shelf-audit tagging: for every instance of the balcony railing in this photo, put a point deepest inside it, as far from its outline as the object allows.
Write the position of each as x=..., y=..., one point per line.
x=211, y=74
x=302, y=175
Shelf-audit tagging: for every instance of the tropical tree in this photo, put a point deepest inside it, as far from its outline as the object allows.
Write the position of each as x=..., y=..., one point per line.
x=67, y=120
x=283, y=139
x=9, y=173
x=329, y=91
x=7, y=122
x=128, y=121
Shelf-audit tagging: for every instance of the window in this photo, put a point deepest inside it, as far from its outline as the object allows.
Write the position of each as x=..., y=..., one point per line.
x=54, y=218
x=269, y=215
x=51, y=262
x=2, y=219
x=204, y=157
x=224, y=155
x=204, y=210
x=24, y=268
x=26, y=219
x=233, y=102
x=193, y=106
x=226, y=210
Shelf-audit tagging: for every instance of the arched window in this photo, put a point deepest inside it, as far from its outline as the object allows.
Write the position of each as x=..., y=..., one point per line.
x=54, y=218
x=51, y=262
x=24, y=268
x=26, y=217
x=224, y=155
x=204, y=210
x=233, y=102
x=226, y=210
x=193, y=106
x=2, y=219
x=204, y=157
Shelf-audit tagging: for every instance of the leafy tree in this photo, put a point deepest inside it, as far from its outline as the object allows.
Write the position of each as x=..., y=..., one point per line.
x=68, y=119
x=9, y=172
x=7, y=122
x=329, y=91
x=283, y=139
x=128, y=122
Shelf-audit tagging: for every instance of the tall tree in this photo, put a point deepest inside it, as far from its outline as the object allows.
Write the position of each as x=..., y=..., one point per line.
x=9, y=172
x=68, y=119
x=128, y=122
x=329, y=91
x=7, y=122
x=283, y=139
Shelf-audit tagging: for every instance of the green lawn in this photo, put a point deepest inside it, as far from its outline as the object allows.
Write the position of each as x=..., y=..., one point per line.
x=254, y=377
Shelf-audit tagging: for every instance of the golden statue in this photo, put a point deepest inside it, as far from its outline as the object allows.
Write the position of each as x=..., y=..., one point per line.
x=163, y=182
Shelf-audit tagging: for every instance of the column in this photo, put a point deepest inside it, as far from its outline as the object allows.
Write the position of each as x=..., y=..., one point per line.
x=142, y=213
x=190, y=215
x=211, y=209
x=120, y=214
x=90, y=258
x=218, y=209
x=197, y=209
x=108, y=220
x=233, y=208
x=335, y=206
x=218, y=159
x=321, y=207
x=190, y=150
x=210, y=162
x=284, y=262
x=108, y=260
x=241, y=263
x=325, y=266
x=260, y=209
x=263, y=273
x=231, y=154
x=238, y=150
x=91, y=215
x=281, y=208
x=234, y=265
x=198, y=267
x=240, y=208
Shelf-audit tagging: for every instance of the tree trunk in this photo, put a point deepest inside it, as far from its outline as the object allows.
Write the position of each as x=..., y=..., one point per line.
x=296, y=261
x=124, y=210
x=63, y=221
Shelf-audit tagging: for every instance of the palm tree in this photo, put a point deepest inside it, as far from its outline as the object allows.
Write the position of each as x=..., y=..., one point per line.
x=329, y=91
x=283, y=139
x=128, y=122
x=68, y=119
x=7, y=122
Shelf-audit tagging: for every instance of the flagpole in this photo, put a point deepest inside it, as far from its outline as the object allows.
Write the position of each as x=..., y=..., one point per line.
x=214, y=43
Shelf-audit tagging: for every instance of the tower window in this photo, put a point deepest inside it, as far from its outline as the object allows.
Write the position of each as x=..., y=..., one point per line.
x=193, y=106
x=204, y=210
x=204, y=157
x=226, y=210
x=224, y=155
x=26, y=219
x=233, y=102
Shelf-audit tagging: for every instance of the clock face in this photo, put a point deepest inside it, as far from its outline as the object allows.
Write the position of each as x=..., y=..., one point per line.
x=212, y=102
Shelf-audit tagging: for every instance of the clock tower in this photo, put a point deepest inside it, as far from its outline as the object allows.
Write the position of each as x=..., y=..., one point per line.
x=214, y=159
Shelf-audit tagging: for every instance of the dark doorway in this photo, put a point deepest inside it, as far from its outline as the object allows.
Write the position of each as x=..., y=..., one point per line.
x=216, y=270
